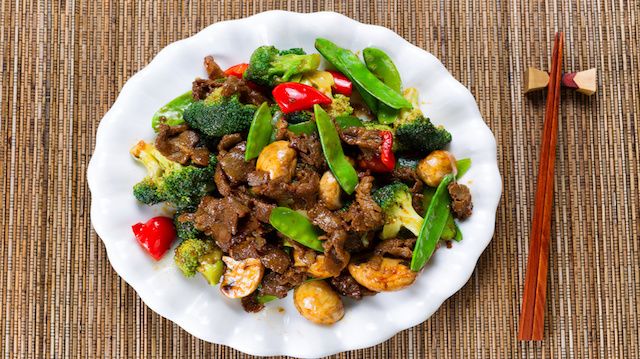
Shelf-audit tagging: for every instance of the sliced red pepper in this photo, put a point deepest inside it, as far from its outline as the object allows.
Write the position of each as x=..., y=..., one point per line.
x=236, y=70
x=385, y=160
x=294, y=96
x=156, y=235
x=341, y=83
x=386, y=150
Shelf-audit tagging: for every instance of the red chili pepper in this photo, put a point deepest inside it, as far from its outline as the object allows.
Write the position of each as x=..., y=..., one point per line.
x=293, y=96
x=236, y=70
x=385, y=161
x=386, y=150
x=156, y=235
x=341, y=83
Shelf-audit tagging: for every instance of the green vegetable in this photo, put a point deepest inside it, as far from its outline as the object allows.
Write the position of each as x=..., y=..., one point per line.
x=269, y=66
x=458, y=236
x=342, y=170
x=186, y=229
x=197, y=255
x=350, y=65
x=432, y=226
x=168, y=181
x=212, y=272
x=296, y=227
x=262, y=299
x=172, y=111
x=339, y=107
x=396, y=203
x=407, y=162
x=369, y=100
x=463, y=166
x=220, y=117
x=449, y=230
x=416, y=133
x=259, y=132
x=298, y=116
x=381, y=65
x=308, y=127
x=348, y=121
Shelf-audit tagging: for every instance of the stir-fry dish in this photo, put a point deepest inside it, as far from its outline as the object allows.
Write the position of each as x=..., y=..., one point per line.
x=286, y=176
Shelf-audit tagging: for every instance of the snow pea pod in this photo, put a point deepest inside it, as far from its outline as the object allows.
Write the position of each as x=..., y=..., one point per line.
x=172, y=111
x=381, y=65
x=342, y=170
x=307, y=127
x=296, y=227
x=262, y=299
x=310, y=127
x=463, y=166
x=350, y=65
x=433, y=225
x=259, y=132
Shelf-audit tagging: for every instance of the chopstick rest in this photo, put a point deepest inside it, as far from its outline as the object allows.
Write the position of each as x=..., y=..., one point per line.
x=584, y=82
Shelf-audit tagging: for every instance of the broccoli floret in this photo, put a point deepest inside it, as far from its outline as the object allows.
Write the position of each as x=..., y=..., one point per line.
x=292, y=117
x=185, y=229
x=298, y=117
x=269, y=66
x=377, y=126
x=340, y=106
x=416, y=133
x=197, y=255
x=395, y=201
x=219, y=116
x=168, y=181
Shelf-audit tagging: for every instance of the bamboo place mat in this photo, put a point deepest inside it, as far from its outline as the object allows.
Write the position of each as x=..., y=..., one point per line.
x=64, y=62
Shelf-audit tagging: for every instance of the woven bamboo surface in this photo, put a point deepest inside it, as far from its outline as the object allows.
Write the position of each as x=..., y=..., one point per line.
x=63, y=63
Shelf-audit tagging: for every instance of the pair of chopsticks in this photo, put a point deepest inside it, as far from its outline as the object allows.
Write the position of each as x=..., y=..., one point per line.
x=535, y=286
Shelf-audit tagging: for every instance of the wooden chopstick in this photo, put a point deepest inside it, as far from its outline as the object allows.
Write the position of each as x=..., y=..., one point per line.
x=531, y=326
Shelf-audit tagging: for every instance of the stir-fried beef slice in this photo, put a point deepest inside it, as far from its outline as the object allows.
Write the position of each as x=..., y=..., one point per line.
x=228, y=141
x=201, y=88
x=336, y=257
x=248, y=248
x=278, y=284
x=213, y=70
x=301, y=193
x=364, y=214
x=221, y=181
x=461, y=204
x=417, y=197
x=274, y=258
x=250, y=303
x=358, y=242
x=364, y=138
x=347, y=286
x=303, y=256
x=181, y=145
x=396, y=247
x=328, y=221
x=234, y=165
x=309, y=149
x=305, y=187
x=405, y=174
x=233, y=85
x=219, y=219
x=261, y=210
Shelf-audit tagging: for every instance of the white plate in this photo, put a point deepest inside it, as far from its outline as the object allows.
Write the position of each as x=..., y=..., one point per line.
x=201, y=309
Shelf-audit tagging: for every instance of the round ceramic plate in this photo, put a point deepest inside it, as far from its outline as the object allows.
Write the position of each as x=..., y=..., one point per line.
x=279, y=329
